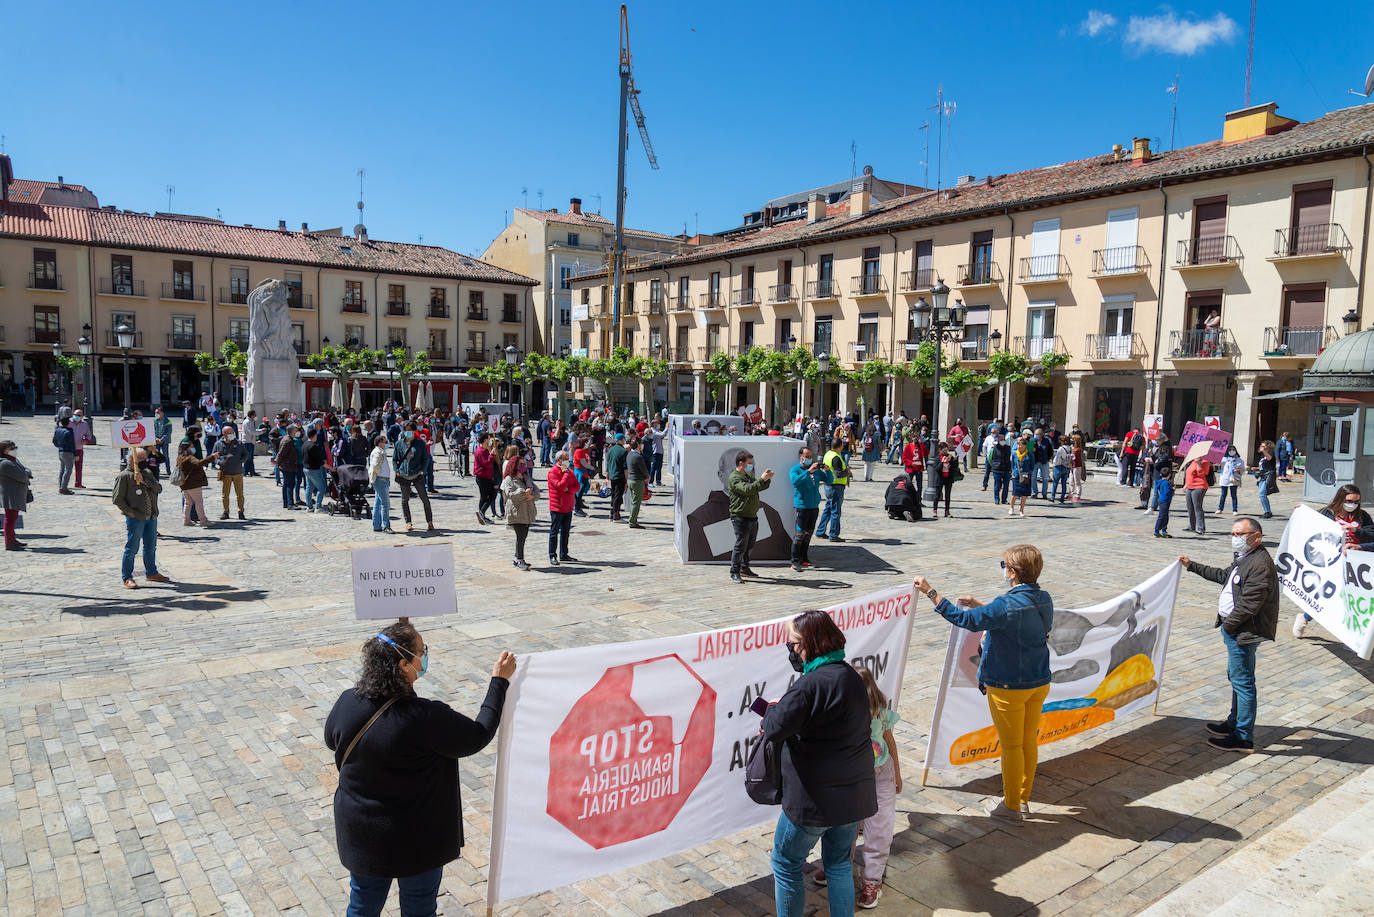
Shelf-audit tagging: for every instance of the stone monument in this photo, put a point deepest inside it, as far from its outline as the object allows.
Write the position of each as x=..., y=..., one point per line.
x=274, y=377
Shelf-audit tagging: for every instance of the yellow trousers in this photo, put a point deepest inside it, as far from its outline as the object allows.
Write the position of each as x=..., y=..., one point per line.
x=1016, y=714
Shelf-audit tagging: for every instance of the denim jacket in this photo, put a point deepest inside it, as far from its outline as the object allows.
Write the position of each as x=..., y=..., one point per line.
x=1015, y=625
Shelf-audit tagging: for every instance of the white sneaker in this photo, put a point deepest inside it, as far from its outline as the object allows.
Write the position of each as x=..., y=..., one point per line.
x=1299, y=626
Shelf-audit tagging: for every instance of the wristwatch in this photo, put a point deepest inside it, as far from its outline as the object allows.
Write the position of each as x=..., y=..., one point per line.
x=931, y=594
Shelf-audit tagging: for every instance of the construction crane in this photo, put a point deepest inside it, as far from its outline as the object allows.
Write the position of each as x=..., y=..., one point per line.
x=629, y=96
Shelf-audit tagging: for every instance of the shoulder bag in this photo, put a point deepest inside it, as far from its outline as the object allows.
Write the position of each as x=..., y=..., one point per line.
x=366, y=726
x=763, y=772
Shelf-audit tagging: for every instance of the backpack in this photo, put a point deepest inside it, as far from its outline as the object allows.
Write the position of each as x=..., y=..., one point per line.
x=1138, y=442
x=763, y=772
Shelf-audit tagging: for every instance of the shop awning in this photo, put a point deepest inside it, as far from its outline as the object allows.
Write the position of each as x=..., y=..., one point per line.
x=1300, y=393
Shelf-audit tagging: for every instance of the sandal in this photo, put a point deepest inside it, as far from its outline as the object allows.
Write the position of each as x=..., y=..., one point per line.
x=409, y=527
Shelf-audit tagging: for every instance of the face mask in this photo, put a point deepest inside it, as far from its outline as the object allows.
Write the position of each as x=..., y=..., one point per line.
x=424, y=665
x=1351, y=507
x=229, y=437
x=1239, y=543
x=797, y=662
x=410, y=434
x=1006, y=575
x=749, y=469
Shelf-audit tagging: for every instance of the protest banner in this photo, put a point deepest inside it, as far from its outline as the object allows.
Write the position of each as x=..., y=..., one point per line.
x=1333, y=586
x=414, y=581
x=1212, y=421
x=612, y=756
x=125, y=434
x=1152, y=425
x=1194, y=432
x=751, y=413
x=1105, y=661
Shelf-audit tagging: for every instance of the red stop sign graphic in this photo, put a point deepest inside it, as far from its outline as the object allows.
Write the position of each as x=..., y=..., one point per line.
x=631, y=751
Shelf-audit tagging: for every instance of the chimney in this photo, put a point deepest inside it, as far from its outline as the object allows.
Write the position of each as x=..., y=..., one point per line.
x=1256, y=121
x=305, y=227
x=1140, y=151
x=60, y=182
x=963, y=180
x=1118, y=152
x=815, y=208
x=281, y=224
x=360, y=232
x=575, y=205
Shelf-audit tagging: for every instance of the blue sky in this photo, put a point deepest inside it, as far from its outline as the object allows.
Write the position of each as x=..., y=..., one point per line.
x=265, y=111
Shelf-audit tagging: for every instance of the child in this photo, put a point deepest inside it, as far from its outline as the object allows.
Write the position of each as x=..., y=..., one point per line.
x=1164, y=493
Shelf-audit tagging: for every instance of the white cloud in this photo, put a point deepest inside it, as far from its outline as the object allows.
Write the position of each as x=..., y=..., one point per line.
x=1096, y=23
x=1169, y=34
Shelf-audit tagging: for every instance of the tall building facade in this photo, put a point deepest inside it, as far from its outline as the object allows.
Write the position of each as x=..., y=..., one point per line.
x=1185, y=282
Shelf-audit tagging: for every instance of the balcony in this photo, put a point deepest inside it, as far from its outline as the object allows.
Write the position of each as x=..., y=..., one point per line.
x=233, y=297
x=295, y=299
x=477, y=313
x=477, y=356
x=1202, y=345
x=705, y=354
x=1297, y=340
x=1105, y=347
x=979, y=273
x=49, y=282
x=1042, y=269
x=397, y=307
x=865, y=285
x=627, y=306
x=121, y=287
x=863, y=351
x=437, y=310
x=782, y=292
x=971, y=350
x=1319, y=240
x=820, y=290
x=680, y=354
x=239, y=341
x=182, y=341
x=1207, y=252
x=511, y=315
x=679, y=303
x=745, y=297
x=440, y=354
x=1036, y=347
x=301, y=347
x=354, y=305
x=710, y=301
x=1120, y=261
x=656, y=306
x=47, y=336
x=192, y=292
x=917, y=281
x=112, y=340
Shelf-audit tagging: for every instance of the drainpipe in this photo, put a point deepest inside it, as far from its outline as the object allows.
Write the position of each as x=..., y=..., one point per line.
x=1011, y=285
x=377, y=307
x=1364, y=240
x=89, y=380
x=730, y=273
x=457, y=325
x=892, y=382
x=1159, y=300
x=319, y=306
x=211, y=349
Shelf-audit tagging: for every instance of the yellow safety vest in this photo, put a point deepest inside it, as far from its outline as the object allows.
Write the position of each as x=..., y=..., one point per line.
x=830, y=459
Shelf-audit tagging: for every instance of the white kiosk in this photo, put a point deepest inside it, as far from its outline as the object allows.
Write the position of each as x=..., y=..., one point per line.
x=701, y=469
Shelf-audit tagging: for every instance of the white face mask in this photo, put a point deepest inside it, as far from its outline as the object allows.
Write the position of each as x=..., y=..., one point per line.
x=1351, y=507
x=1239, y=543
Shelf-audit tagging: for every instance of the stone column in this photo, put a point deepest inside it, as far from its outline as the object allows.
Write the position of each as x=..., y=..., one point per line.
x=1073, y=401
x=699, y=392
x=1244, y=432
x=843, y=403
x=946, y=420
x=766, y=402
x=155, y=380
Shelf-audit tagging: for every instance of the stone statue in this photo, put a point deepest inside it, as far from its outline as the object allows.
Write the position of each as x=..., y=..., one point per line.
x=274, y=378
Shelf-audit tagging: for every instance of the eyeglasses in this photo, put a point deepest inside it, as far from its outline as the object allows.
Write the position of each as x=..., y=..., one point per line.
x=1002, y=564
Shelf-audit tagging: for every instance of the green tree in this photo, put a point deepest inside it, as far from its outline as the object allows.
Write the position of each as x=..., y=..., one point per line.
x=875, y=372
x=343, y=363
x=719, y=375
x=765, y=366
x=229, y=359
x=645, y=370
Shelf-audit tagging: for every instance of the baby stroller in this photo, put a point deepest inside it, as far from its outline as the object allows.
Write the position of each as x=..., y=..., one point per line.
x=902, y=500
x=352, y=485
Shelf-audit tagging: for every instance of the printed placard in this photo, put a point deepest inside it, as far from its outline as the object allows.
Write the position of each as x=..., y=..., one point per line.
x=403, y=582
x=1329, y=581
x=125, y=434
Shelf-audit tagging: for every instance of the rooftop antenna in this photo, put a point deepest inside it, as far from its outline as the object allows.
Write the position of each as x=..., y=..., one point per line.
x=925, y=152
x=171, y=189
x=361, y=174
x=525, y=193
x=540, y=192
x=598, y=202
x=1368, y=90
x=696, y=223
x=1173, y=118
x=1250, y=54
x=853, y=159
x=422, y=238
x=2, y=144
x=942, y=108
x=219, y=214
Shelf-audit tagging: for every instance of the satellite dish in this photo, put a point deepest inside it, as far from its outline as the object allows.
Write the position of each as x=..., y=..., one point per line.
x=1369, y=82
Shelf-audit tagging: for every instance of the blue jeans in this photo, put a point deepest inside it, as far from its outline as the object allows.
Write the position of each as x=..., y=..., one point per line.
x=290, y=481
x=1232, y=488
x=1162, y=520
x=248, y=466
x=829, y=524
x=429, y=472
x=419, y=894
x=1061, y=483
x=1264, y=498
x=381, y=504
x=144, y=530
x=1041, y=479
x=316, y=486
x=987, y=470
x=656, y=468
x=546, y=451
x=1240, y=669
x=791, y=844
x=1000, y=480
x=893, y=451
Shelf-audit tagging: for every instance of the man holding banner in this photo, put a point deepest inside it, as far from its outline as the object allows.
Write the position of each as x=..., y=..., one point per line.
x=1247, y=613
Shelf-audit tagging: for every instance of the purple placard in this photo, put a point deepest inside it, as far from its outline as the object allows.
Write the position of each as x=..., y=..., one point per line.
x=1194, y=432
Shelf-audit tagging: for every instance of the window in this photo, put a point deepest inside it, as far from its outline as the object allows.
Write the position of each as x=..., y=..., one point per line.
x=684, y=285
x=184, y=333
x=565, y=276
x=785, y=271
x=746, y=335
x=1304, y=320
x=712, y=340
x=974, y=345
x=1044, y=256
x=656, y=342
x=298, y=333
x=353, y=336
x=825, y=277
x=656, y=292
x=822, y=337
x=572, y=238
x=871, y=279
x=396, y=299
x=438, y=343
x=353, y=296
x=122, y=274
x=866, y=347
x=238, y=284
x=1120, y=256
x=438, y=302
x=47, y=325
x=295, y=299
x=510, y=311
x=923, y=265
x=238, y=332
x=183, y=280
x=564, y=316
x=747, y=285
x=629, y=342
x=476, y=309
x=123, y=318
x=1209, y=230
x=713, y=292
x=586, y=296
x=477, y=345
x=1310, y=225
x=511, y=340
x=1118, y=323
x=396, y=337
x=980, y=257
x=586, y=342
x=1040, y=329
x=784, y=333
x=45, y=269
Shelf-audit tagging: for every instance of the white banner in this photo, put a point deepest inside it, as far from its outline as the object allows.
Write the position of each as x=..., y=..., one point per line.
x=414, y=581
x=1105, y=661
x=1335, y=587
x=133, y=432
x=612, y=756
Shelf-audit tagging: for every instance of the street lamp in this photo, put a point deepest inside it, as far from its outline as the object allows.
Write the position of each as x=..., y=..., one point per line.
x=124, y=335
x=390, y=375
x=511, y=355
x=823, y=364
x=937, y=321
x=84, y=347
x=1352, y=321
x=57, y=368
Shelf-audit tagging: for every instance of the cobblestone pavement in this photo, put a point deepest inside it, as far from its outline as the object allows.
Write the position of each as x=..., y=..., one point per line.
x=164, y=754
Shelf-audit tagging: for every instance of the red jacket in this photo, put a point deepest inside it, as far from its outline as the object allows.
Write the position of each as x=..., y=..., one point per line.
x=914, y=457
x=483, y=464
x=562, y=488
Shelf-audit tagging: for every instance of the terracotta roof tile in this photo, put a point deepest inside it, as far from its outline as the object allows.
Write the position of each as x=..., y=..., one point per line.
x=33, y=221
x=594, y=220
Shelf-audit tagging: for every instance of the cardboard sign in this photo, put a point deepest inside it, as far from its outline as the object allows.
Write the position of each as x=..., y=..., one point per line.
x=1198, y=450
x=1213, y=421
x=1194, y=432
x=128, y=433
x=751, y=413
x=1152, y=424
x=403, y=582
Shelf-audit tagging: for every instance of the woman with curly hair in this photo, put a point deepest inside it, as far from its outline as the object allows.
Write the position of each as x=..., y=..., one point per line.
x=397, y=810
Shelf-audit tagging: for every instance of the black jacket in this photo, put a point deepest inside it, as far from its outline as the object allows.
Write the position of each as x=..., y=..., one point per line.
x=999, y=459
x=1255, y=589
x=827, y=757
x=397, y=810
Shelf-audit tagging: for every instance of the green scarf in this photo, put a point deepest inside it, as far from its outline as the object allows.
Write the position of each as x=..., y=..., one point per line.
x=836, y=656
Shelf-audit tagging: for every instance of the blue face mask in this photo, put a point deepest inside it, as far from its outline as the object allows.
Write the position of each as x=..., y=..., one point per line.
x=749, y=468
x=410, y=434
x=424, y=664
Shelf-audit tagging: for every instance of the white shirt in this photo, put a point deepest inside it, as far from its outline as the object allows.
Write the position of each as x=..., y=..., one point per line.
x=378, y=465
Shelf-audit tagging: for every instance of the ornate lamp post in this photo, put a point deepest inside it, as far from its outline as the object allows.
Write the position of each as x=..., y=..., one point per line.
x=937, y=323
x=58, y=372
x=125, y=337
x=512, y=355
x=823, y=364
x=796, y=382
x=84, y=347
x=1352, y=321
x=390, y=375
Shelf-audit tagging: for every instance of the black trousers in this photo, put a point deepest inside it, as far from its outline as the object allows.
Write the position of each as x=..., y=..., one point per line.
x=801, y=540
x=946, y=488
x=486, y=495
x=746, y=533
x=522, y=531
x=560, y=526
x=617, y=496
x=418, y=485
